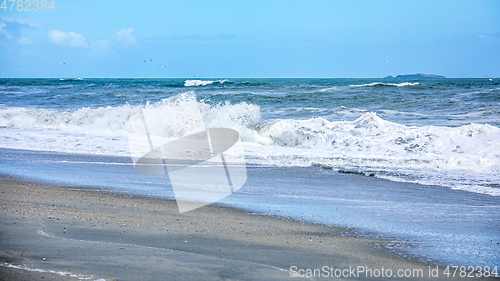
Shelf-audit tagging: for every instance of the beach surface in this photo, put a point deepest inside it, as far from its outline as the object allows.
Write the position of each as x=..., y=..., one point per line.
x=68, y=233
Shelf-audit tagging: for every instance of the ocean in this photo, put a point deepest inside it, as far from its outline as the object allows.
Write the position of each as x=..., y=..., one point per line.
x=416, y=161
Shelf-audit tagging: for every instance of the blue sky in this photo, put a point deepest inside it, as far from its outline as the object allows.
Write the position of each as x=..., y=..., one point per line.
x=252, y=39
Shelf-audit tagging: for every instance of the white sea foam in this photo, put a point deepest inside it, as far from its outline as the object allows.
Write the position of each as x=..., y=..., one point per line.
x=465, y=157
x=71, y=79
x=60, y=273
x=403, y=84
x=328, y=89
x=103, y=130
x=191, y=83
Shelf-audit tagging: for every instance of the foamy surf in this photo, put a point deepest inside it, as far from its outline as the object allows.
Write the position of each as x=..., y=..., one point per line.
x=195, y=83
x=60, y=273
x=380, y=84
x=465, y=157
x=299, y=142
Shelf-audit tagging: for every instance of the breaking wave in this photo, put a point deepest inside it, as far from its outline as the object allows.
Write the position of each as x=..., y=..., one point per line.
x=194, y=83
x=380, y=84
x=465, y=157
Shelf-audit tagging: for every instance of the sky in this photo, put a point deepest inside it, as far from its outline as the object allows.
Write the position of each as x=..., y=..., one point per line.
x=250, y=39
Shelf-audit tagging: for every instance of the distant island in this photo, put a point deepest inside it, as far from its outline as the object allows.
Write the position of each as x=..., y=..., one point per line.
x=415, y=76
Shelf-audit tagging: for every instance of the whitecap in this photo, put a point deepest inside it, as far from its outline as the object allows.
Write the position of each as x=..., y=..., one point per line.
x=375, y=84
x=195, y=83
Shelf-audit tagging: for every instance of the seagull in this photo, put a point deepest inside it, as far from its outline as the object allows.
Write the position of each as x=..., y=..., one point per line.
x=147, y=60
x=62, y=63
x=196, y=75
x=161, y=65
x=387, y=60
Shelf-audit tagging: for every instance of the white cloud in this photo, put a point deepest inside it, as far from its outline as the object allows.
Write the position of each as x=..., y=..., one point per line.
x=4, y=31
x=26, y=22
x=125, y=35
x=11, y=30
x=71, y=38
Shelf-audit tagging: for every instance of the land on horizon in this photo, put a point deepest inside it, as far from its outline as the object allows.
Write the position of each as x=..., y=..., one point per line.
x=415, y=76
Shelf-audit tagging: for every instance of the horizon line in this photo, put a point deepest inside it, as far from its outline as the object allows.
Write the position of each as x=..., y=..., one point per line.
x=200, y=78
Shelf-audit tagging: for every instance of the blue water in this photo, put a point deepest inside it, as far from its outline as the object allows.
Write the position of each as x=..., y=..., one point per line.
x=424, y=102
x=417, y=161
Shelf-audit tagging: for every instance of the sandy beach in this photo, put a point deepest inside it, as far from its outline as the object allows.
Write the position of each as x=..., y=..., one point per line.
x=64, y=233
x=181, y=140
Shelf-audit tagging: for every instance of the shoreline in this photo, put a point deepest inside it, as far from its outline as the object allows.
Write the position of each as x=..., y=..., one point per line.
x=64, y=231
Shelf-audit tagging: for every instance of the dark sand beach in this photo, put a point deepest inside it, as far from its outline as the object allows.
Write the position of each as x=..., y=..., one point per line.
x=67, y=233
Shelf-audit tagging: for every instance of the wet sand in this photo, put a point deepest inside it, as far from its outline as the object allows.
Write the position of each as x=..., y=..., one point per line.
x=71, y=233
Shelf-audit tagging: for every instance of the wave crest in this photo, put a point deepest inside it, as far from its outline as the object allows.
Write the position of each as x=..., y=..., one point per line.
x=195, y=83
x=465, y=157
x=380, y=84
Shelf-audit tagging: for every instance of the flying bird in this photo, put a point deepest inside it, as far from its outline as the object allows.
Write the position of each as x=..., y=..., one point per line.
x=62, y=63
x=387, y=60
x=146, y=60
x=161, y=65
x=196, y=75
